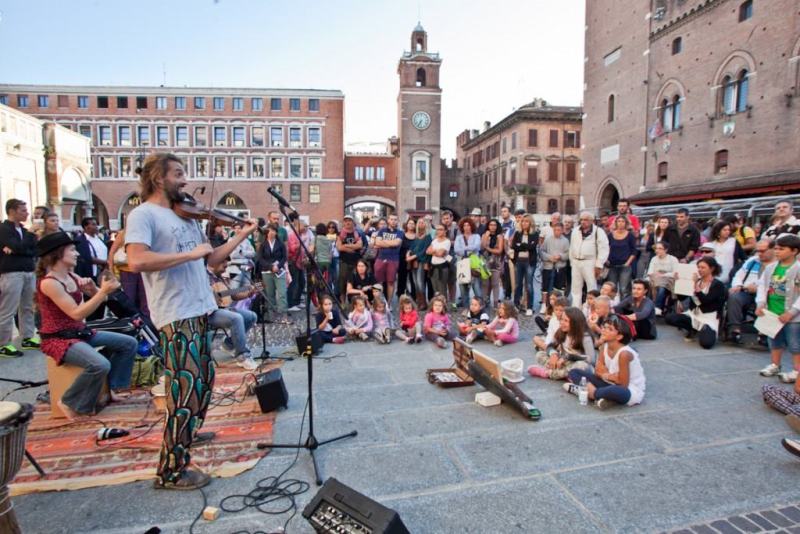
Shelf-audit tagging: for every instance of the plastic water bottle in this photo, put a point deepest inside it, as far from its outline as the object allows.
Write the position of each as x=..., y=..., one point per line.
x=583, y=393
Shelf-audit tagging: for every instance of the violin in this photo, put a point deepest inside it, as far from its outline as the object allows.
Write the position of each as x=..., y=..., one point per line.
x=190, y=208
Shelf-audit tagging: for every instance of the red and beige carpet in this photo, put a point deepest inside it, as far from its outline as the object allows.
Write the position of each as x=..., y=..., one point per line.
x=73, y=458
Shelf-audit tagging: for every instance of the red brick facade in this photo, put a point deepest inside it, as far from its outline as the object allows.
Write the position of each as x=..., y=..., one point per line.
x=370, y=178
x=705, y=97
x=248, y=138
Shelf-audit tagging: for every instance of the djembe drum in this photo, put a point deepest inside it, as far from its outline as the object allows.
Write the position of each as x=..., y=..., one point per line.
x=14, y=419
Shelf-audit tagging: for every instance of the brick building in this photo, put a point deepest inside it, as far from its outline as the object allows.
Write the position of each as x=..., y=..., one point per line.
x=530, y=160
x=691, y=100
x=370, y=181
x=247, y=138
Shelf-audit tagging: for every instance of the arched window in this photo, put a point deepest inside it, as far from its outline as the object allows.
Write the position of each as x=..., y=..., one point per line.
x=663, y=168
x=677, y=45
x=569, y=206
x=666, y=115
x=721, y=162
x=420, y=77
x=552, y=205
x=420, y=165
x=676, y=112
x=742, y=88
x=735, y=92
x=611, y=104
x=420, y=44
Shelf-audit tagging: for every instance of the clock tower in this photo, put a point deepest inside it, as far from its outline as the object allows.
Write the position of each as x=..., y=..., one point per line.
x=419, y=105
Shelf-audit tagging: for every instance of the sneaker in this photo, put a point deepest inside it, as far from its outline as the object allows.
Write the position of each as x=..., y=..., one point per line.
x=791, y=445
x=602, y=404
x=294, y=309
x=363, y=337
x=689, y=336
x=10, y=351
x=770, y=370
x=529, y=312
x=225, y=350
x=538, y=371
x=339, y=340
x=735, y=338
x=31, y=343
x=569, y=387
x=471, y=338
x=794, y=422
x=788, y=378
x=659, y=313
x=543, y=309
x=189, y=480
x=441, y=343
x=498, y=343
x=247, y=362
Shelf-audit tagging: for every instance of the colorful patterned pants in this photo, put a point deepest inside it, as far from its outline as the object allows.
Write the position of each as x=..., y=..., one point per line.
x=189, y=372
x=781, y=399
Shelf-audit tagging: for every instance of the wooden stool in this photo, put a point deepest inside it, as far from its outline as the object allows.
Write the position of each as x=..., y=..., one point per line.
x=60, y=378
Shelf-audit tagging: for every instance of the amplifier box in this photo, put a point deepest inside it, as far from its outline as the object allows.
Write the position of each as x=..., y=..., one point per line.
x=340, y=509
x=271, y=391
x=316, y=343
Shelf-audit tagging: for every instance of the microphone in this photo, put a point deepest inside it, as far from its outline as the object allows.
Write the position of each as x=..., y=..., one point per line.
x=111, y=433
x=283, y=202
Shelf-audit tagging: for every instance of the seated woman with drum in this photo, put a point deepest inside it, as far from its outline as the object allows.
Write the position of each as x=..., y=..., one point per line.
x=65, y=336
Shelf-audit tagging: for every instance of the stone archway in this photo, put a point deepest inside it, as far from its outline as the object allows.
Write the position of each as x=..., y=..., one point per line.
x=608, y=198
x=100, y=211
x=232, y=203
x=126, y=207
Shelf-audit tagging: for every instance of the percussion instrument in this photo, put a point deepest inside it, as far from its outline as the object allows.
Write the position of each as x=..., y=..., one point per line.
x=14, y=420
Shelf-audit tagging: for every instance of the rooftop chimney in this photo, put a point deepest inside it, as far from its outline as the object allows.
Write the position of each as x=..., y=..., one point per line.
x=486, y=126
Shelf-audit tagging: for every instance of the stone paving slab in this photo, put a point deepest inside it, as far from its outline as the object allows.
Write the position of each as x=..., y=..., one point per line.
x=654, y=493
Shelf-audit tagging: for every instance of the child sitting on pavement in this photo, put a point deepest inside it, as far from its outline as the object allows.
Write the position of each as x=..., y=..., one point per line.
x=381, y=320
x=602, y=309
x=541, y=342
x=505, y=327
x=329, y=322
x=543, y=319
x=572, y=348
x=360, y=320
x=609, y=289
x=588, y=306
x=410, y=329
x=473, y=326
x=438, y=327
x=618, y=377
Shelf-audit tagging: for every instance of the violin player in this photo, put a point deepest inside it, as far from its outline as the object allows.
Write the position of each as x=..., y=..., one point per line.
x=166, y=244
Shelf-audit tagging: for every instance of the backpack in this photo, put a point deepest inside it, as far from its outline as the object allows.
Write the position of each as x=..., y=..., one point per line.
x=146, y=371
x=322, y=251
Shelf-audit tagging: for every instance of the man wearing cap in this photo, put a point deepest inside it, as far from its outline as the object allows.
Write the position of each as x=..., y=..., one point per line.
x=349, y=243
x=17, y=281
x=388, y=241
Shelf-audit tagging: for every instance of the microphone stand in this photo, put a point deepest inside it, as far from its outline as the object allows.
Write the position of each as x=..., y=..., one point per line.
x=312, y=443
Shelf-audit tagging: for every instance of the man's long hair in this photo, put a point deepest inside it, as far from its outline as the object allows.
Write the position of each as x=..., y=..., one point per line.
x=155, y=168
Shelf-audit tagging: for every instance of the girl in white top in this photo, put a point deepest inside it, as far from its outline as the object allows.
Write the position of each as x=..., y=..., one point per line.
x=618, y=377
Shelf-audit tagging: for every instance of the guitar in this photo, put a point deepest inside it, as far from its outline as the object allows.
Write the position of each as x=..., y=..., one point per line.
x=224, y=295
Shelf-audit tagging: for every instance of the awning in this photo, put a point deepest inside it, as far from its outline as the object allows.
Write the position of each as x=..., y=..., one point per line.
x=744, y=186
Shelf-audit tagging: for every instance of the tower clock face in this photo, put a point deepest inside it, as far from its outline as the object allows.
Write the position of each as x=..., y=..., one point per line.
x=421, y=120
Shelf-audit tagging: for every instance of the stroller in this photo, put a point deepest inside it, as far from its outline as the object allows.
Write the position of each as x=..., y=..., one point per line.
x=129, y=320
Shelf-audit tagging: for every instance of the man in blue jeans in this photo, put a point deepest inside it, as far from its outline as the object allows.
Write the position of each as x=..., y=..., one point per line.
x=236, y=321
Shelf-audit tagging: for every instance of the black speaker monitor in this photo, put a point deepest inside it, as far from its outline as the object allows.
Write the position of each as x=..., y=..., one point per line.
x=336, y=508
x=271, y=391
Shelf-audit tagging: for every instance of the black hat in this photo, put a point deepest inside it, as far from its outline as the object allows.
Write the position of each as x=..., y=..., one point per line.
x=51, y=242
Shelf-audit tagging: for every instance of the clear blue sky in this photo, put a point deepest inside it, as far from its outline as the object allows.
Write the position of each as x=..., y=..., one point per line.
x=497, y=55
